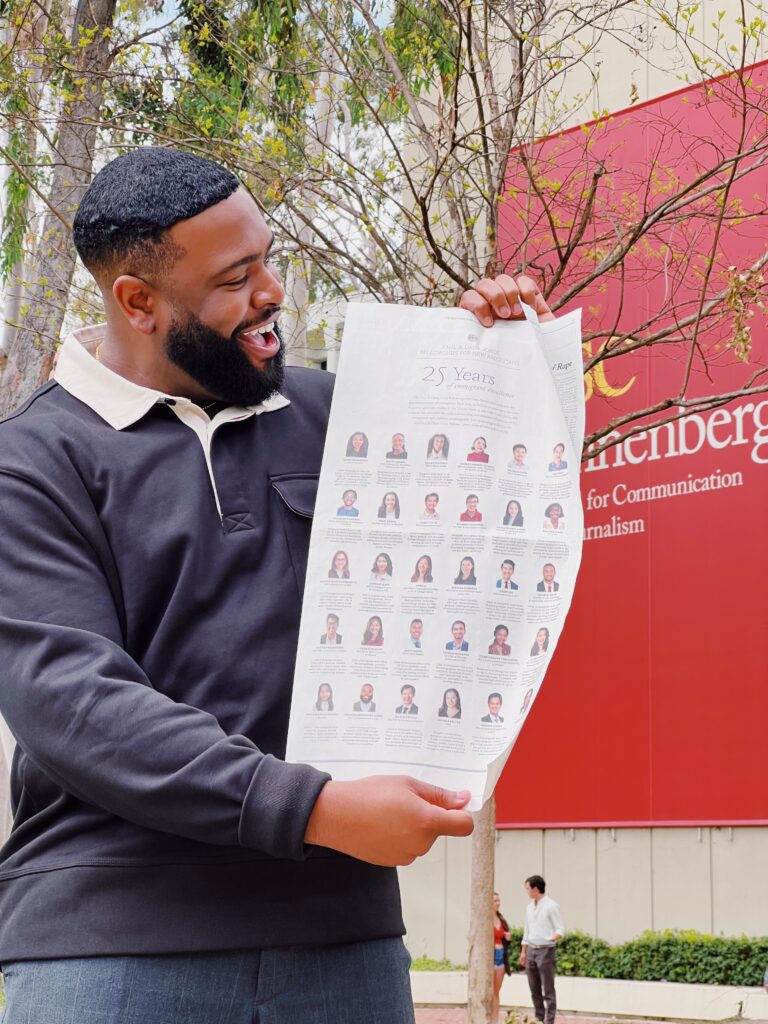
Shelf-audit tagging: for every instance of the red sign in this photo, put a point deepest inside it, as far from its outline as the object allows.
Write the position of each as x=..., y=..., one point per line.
x=655, y=707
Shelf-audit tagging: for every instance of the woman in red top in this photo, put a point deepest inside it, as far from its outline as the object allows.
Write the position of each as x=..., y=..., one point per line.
x=501, y=938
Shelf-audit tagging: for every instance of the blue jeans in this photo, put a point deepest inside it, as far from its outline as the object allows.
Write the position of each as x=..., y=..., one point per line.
x=359, y=983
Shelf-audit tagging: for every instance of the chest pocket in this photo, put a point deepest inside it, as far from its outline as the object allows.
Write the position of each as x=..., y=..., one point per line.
x=295, y=495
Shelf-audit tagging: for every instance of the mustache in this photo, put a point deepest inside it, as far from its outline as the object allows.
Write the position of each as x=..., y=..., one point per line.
x=271, y=312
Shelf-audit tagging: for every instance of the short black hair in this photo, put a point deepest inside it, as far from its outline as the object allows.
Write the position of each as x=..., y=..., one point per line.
x=133, y=201
x=537, y=882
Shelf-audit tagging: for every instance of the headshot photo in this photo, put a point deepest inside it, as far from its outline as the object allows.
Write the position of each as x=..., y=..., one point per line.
x=339, y=567
x=466, y=575
x=514, y=514
x=437, y=447
x=415, y=632
x=494, y=707
x=357, y=446
x=331, y=634
x=366, y=702
x=422, y=573
x=324, y=700
x=459, y=642
x=471, y=513
x=374, y=633
x=406, y=706
x=478, y=452
x=519, y=452
x=548, y=584
x=500, y=645
x=558, y=462
x=431, y=502
x=451, y=706
x=389, y=507
x=381, y=570
x=554, y=516
x=397, y=451
x=347, y=507
x=541, y=643
x=507, y=571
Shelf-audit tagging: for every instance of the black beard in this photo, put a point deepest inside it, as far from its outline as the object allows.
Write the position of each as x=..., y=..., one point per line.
x=218, y=364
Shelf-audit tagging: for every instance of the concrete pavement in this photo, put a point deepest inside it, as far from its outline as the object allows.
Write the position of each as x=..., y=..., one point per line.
x=458, y=1015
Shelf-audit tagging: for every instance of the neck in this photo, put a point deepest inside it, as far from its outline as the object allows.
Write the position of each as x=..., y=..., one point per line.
x=141, y=359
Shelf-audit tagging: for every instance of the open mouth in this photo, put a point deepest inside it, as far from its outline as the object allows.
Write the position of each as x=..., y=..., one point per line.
x=260, y=343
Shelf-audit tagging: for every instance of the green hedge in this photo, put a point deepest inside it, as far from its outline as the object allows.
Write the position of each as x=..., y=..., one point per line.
x=662, y=956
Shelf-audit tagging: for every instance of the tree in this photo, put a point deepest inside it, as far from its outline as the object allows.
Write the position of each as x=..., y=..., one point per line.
x=80, y=66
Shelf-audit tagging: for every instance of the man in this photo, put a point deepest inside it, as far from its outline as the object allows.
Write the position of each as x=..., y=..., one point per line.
x=558, y=462
x=543, y=930
x=331, y=636
x=548, y=584
x=347, y=507
x=494, y=707
x=398, y=448
x=458, y=629
x=149, y=614
x=507, y=569
x=430, y=507
x=519, y=451
x=416, y=631
x=471, y=514
x=366, y=702
x=407, y=693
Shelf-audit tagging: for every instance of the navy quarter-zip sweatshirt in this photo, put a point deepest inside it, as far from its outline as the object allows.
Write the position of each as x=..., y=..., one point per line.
x=151, y=570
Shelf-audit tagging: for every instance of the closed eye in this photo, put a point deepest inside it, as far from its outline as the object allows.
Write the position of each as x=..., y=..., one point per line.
x=235, y=284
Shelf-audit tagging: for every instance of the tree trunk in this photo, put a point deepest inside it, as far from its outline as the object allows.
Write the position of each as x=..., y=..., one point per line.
x=297, y=281
x=294, y=320
x=480, y=990
x=49, y=274
x=28, y=39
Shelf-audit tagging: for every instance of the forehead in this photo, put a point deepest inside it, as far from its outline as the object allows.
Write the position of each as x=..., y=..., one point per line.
x=220, y=236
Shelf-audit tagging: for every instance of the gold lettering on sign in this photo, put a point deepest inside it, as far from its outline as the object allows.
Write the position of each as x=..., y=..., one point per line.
x=595, y=380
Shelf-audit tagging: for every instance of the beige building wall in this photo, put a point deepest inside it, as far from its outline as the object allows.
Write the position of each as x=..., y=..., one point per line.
x=610, y=883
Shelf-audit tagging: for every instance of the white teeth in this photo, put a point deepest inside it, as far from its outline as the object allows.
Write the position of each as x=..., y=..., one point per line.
x=263, y=330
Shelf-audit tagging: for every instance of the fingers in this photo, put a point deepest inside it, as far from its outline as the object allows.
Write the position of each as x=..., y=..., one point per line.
x=530, y=293
x=493, y=298
x=499, y=298
x=455, y=823
x=447, y=798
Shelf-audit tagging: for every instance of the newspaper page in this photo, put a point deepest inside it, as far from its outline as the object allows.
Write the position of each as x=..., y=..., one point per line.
x=445, y=545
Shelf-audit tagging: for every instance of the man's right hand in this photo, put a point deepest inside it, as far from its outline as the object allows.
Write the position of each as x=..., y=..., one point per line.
x=386, y=819
x=522, y=959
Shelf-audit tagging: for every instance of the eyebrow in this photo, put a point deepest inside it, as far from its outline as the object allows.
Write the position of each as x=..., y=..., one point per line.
x=252, y=258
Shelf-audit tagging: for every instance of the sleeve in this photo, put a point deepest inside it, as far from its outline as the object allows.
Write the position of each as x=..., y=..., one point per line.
x=525, y=930
x=90, y=719
x=558, y=928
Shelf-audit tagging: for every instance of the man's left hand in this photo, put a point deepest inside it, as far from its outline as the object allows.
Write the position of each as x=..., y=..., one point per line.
x=499, y=298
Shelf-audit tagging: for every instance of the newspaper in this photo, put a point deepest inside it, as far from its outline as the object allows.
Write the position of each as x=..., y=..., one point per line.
x=445, y=545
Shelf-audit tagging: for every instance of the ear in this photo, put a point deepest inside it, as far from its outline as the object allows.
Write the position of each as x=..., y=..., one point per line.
x=138, y=302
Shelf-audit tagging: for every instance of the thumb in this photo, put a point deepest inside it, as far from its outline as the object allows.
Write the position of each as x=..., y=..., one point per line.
x=449, y=799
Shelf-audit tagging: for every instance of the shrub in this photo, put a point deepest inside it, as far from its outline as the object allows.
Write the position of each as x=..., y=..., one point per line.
x=666, y=956
x=660, y=956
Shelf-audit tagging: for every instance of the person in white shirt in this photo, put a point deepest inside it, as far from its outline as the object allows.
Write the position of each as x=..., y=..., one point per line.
x=543, y=930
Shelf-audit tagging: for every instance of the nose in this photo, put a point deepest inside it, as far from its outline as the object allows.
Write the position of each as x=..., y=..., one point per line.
x=268, y=289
